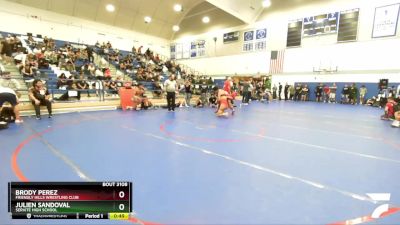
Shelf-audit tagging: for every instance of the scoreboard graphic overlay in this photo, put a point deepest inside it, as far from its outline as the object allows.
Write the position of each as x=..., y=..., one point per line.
x=70, y=200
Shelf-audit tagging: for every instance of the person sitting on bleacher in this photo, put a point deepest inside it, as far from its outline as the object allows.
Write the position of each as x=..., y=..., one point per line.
x=31, y=41
x=63, y=82
x=7, y=81
x=111, y=87
x=27, y=72
x=92, y=70
x=70, y=66
x=43, y=63
x=39, y=95
x=157, y=90
x=119, y=82
x=81, y=85
x=19, y=58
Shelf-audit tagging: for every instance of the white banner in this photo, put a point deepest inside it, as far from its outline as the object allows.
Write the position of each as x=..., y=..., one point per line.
x=385, y=21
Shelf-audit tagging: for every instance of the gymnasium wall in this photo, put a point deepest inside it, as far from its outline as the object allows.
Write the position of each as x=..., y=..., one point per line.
x=367, y=54
x=21, y=19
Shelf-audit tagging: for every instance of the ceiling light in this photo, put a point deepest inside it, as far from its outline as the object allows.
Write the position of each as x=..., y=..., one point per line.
x=110, y=7
x=178, y=7
x=147, y=19
x=175, y=28
x=206, y=19
x=266, y=3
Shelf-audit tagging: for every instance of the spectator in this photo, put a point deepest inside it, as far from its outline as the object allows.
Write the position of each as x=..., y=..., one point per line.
x=345, y=94
x=297, y=93
x=332, y=94
x=304, y=93
x=363, y=93
x=286, y=91
x=7, y=81
x=62, y=82
x=157, y=90
x=6, y=51
x=392, y=92
x=353, y=91
x=280, y=91
x=39, y=95
x=27, y=72
x=326, y=93
x=274, y=95
x=246, y=92
x=70, y=67
x=8, y=95
x=81, y=85
x=318, y=92
x=291, y=92
x=43, y=63
x=203, y=93
x=188, y=92
x=92, y=70
x=89, y=51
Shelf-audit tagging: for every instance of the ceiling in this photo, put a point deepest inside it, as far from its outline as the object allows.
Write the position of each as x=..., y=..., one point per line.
x=129, y=14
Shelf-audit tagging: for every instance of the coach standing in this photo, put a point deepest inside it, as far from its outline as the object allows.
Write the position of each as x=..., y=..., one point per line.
x=171, y=88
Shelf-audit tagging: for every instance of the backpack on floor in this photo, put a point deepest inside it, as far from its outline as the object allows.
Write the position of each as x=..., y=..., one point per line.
x=7, y=115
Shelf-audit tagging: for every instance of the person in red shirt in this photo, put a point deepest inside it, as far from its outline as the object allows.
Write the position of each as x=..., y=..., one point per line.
x=389, y=109
x=327, y=92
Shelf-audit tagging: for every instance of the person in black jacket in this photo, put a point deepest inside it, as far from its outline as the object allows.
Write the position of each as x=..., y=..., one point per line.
x=345, y=94
x=318, y=92
x=286, y=91
x=297, y=93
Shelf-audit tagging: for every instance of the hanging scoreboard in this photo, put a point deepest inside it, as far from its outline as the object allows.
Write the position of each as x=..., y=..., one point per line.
x=70, y=200
x=320, y=24
x=294, y=33
x=348, y=25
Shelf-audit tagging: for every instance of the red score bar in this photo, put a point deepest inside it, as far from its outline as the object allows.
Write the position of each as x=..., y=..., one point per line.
x=78, y=195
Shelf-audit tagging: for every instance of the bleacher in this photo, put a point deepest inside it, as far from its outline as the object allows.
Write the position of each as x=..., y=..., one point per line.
x=50, y=75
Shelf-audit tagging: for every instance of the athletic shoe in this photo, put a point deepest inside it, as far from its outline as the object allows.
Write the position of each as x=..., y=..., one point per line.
x=396, y=123
x=38, y=118
x=19, y=121
x=50, y=115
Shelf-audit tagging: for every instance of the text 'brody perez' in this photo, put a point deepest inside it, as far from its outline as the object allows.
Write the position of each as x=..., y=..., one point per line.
x=36, y=192
x=42, y=205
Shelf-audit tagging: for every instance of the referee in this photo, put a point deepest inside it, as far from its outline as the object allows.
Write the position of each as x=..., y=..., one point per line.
x=171, y=88
x=9, y=95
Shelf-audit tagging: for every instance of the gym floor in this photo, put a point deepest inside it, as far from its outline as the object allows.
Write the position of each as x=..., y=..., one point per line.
x=276, y=163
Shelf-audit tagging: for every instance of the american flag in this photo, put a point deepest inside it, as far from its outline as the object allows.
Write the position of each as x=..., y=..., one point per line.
x=276, y=63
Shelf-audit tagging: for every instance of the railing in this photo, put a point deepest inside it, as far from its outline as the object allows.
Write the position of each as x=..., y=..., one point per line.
x=51, y=86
